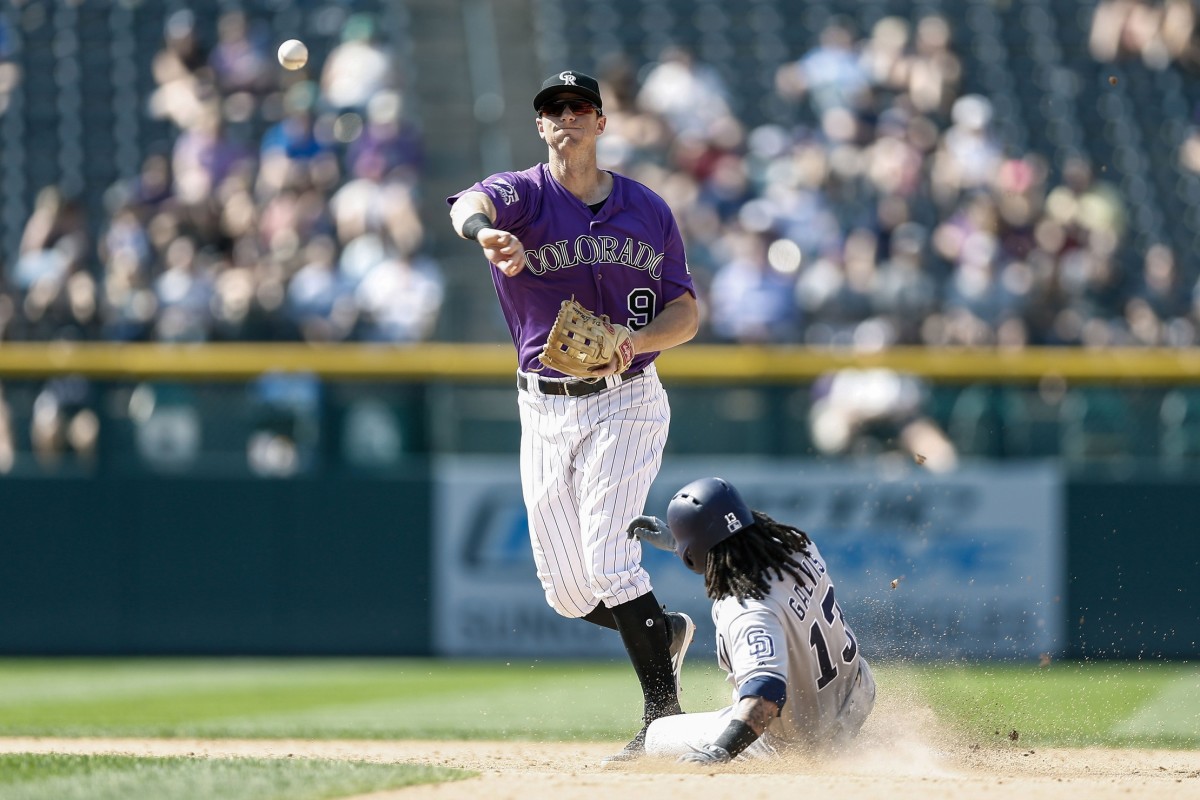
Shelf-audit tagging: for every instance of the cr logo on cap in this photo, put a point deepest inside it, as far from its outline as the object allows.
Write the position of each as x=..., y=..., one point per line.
x=567, y=78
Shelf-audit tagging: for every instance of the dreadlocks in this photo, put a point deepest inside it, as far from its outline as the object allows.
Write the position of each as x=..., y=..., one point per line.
x=741, y=565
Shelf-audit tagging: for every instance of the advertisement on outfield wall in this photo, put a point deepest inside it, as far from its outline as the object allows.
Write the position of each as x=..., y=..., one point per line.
x=968, y=564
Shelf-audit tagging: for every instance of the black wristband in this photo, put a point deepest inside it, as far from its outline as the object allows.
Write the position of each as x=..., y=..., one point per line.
x=474, y=224
x=736, y=737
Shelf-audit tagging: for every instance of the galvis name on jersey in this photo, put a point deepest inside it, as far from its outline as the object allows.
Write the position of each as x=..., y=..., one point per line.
x=595, y=250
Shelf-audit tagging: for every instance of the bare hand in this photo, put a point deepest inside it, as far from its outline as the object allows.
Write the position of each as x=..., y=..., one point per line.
x=611, y=368
x=622, y=355
x=503, y=249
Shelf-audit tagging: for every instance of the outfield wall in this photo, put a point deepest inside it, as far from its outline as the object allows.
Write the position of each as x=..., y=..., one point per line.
x=215, y=566
x=977, y=556
x=167, y=539
x=346, y=565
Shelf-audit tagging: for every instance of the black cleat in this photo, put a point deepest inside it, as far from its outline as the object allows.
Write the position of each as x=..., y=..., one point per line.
x=632, y=751
x=682, y=632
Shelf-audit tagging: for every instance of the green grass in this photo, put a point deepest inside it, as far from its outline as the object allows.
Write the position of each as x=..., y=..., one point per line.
x=1064, y=704
x=318, y=699
x=61, y=777
x=1067, y=704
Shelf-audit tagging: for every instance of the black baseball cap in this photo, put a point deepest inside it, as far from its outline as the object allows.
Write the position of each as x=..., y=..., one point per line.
x=568, y=81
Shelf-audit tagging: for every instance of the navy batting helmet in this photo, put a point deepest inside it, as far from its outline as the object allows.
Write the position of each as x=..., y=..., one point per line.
x=703, y=514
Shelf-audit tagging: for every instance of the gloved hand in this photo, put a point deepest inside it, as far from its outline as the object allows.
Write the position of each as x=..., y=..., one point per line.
x=707, y=755
x=653, y=531
x=580, y=343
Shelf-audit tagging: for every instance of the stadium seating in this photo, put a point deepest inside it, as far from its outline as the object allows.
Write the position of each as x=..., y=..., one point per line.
x=79, y=118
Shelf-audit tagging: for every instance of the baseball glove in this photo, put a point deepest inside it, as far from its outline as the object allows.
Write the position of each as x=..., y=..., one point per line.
x=580, y=342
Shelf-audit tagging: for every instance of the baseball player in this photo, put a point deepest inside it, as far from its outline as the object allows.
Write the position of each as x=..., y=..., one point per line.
x=799, y=679
x=590, y=447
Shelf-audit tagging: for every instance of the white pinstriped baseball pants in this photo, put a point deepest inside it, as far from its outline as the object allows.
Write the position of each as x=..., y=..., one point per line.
x=586, y=468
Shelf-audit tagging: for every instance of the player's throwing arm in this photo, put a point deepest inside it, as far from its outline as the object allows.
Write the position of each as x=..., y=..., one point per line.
x=472, y=215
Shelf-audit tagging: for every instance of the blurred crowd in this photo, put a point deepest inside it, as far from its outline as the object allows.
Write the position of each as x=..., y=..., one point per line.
x=282, y=207
x=1156, y=31
x=887, y=212
x=880, y=209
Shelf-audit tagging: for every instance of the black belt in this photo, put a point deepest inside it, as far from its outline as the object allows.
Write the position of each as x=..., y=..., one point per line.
x=571, y=388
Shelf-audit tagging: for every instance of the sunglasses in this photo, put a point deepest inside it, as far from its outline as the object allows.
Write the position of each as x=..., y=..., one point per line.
x=555, y=108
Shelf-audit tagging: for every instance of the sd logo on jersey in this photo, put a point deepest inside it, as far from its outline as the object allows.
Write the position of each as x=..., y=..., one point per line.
x=762, y=646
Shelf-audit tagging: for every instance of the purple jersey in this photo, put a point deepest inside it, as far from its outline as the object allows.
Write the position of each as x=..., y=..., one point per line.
x=626, y=261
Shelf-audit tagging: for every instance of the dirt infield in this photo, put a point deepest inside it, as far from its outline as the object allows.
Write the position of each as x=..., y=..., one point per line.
x=903, y=753
x=558, y=771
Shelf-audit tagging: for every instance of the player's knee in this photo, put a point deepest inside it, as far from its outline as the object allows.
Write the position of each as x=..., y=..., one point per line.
x=567, y=608
x=621, y=585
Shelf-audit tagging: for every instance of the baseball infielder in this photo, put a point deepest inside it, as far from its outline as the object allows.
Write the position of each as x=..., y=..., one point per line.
x=590, y=448
x=798, y=677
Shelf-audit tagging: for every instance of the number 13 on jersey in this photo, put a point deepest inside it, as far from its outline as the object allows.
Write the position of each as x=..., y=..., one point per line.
x=820, y=635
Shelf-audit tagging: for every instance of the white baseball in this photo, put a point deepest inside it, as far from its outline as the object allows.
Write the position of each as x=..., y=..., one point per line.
x=293, y=54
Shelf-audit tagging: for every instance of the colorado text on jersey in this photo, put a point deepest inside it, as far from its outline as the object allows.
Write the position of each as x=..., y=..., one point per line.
x=595, y=250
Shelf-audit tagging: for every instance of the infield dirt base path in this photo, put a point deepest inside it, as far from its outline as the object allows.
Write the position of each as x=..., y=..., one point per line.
x=903, y=753
x=897, y=770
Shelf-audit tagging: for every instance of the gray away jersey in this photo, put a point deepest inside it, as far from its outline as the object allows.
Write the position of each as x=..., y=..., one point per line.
x=798, y=634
